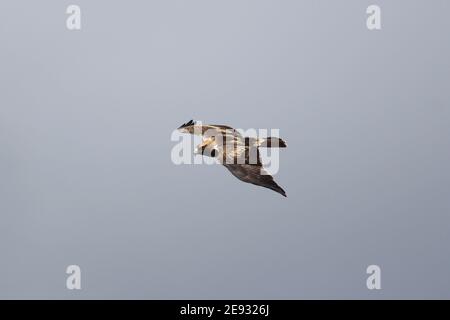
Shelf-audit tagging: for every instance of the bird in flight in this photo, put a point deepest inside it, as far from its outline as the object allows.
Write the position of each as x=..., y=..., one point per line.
x=239, y=154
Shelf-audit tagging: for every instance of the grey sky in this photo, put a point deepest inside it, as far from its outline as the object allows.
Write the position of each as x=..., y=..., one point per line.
x=85, y=170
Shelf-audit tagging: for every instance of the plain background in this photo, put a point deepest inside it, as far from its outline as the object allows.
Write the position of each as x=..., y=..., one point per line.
x=86, y=176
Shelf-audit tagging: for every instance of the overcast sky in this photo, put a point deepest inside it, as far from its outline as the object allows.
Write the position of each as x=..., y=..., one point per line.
x=86, y=176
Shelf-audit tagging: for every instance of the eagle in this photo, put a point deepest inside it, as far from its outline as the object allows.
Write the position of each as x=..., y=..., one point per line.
x=239, y=154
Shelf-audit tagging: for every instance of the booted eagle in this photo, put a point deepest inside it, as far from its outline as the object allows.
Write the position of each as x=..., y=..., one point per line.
x=237, y=153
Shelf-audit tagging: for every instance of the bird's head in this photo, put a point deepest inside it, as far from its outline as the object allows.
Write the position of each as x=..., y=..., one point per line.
x=207, y=148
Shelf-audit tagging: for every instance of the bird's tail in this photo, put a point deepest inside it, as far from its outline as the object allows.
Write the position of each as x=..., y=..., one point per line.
x=272, y=142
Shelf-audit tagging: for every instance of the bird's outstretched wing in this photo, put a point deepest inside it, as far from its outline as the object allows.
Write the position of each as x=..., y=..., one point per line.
x=229, y=142
x=211, y=129
x=255, y=174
